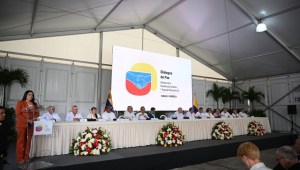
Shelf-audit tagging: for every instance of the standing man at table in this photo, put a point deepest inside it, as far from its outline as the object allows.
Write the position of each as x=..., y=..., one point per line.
x=108, y=115
x=73, y=115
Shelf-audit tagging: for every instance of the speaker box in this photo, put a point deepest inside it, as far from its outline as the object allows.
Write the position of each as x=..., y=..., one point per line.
x=292, y=109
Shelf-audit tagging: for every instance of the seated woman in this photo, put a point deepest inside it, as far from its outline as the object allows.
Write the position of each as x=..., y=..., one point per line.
x=50, y=115
x=217, y=113
x=129, y=113
x=142, y=115
x=93, y=114
x=208, y=114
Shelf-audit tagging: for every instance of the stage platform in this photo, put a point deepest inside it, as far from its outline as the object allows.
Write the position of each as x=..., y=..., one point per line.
x=156, y=157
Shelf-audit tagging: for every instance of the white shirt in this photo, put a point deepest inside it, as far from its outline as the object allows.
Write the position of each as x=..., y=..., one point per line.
x=259, y=166
x=129, y=115
x=141, y=116
x=108, y=116
x=225, y=115
x=207, y=115
x=48, y=116
x=235, y=115
x=71, y=116
x=178, y=115
x=91, y=116
x=190, y=115
x=198, y=114
x=244, y=115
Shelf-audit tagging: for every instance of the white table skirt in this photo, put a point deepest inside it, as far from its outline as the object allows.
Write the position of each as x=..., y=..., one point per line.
x=133, y=133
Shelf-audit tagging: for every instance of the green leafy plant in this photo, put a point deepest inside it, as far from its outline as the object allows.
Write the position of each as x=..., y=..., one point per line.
x=216, y=92
x=228, y=95
x=257, y=113
x=10, y=76
x=252, y=96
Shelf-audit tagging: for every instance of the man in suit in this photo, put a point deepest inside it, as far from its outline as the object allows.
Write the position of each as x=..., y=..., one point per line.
x=151, y=114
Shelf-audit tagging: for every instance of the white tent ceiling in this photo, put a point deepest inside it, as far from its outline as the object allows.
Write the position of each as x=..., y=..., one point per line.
x=219, y=33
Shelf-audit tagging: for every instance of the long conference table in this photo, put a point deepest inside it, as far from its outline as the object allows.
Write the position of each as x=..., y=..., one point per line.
x=133, y=133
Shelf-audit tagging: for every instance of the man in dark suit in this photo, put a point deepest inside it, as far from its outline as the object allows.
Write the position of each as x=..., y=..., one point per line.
x=3, y=138
x=151, y=114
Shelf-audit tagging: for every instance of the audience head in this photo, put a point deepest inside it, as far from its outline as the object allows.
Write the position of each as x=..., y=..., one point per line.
x=2, y=113
x=286, y=156
x=29, y=96
x=142, y=109
x=179, y=110
x=249, y=153
x=129, y=109
x=51, y=109
x=74, y=109
x=108, y=109
x=297, y=145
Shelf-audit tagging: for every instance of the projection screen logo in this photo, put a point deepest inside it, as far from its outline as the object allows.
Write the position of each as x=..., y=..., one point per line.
x=141, y=79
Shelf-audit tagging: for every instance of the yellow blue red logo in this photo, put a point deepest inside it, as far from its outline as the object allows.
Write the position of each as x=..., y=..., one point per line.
x=141, y=79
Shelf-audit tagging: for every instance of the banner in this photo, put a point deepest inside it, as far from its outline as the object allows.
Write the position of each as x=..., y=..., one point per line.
x=43, y=127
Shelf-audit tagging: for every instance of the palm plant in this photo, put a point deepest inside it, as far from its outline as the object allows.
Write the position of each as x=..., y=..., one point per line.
x=216, y=92
x=228, y=96
x=252, y=96
x=8, y=77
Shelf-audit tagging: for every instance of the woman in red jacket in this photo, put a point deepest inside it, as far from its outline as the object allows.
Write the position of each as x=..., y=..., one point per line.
x=26, y=113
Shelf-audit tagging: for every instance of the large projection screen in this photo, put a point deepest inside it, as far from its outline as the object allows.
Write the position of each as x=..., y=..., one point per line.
x=141, y=78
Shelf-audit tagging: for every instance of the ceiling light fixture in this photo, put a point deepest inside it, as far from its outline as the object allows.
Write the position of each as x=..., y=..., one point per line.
x=261, y=27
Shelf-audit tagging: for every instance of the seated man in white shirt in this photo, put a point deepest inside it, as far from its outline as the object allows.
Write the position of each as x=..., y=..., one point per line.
x=74, y=115
x=242, y=113
x=108, y=115
x=142, y=115
x=225, y=113
x=190, y=114
x=50, y=115
x=178, y=114
x=235, y=114
x=200, y=112
x=208, y=114
x=129, y=113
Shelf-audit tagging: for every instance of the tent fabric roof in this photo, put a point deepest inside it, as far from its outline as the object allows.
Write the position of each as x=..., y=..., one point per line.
x=219, y=33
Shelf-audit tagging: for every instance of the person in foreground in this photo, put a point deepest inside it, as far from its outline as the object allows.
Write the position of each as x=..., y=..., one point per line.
x=26, y=113
x=3, y=138
x=287, y=158
x=108, y=114
x=93, y=114
x=250, y=155
x=74, y=115
x=50, y=115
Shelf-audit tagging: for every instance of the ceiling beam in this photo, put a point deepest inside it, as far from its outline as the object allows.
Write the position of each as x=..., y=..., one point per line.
x=35, y=5
x=269, y=32
x=186, y=51
x=165, y=11
x=108, y=14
